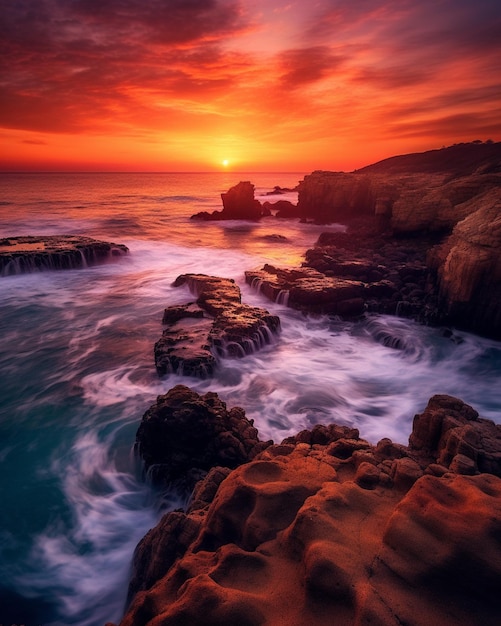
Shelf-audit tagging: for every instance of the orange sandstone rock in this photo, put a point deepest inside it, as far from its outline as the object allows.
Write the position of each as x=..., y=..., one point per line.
x=339, y=532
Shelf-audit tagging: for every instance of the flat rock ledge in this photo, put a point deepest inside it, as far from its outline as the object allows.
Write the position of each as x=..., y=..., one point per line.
x=326, y=528
x=217, y=324
x=21, y=255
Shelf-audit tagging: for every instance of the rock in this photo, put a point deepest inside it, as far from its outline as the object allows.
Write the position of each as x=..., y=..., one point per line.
x=327, y=197
x=238, y=204
x=19, y=255
x=282, y=208
x=218, y=324
x=183, y=434
x=348, y=273
x=468, y=269
x=450, y=431
x=278, y=190
x=310, y=532
x=443, y=540
x=308, y=290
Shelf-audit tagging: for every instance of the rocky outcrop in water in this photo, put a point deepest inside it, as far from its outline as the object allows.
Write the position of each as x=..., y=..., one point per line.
x=238, y=204
x=326, y=527
x=20, y=255
x=183, y=435
x=217, y=324
x=348, y=273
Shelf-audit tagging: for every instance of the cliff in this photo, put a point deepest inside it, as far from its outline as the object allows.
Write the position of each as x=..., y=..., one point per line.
x=326, y=527
x=426, y=234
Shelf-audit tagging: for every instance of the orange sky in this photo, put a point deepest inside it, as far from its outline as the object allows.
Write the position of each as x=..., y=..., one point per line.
x=182, y=85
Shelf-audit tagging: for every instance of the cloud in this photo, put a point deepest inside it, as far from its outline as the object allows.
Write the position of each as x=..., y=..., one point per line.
x=77, y=65
x=274, y=70
x=307, y=65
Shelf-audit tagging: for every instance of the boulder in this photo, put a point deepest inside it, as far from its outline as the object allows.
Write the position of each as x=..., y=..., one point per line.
x=184, y=435
x=450, y=433
x=282, y=208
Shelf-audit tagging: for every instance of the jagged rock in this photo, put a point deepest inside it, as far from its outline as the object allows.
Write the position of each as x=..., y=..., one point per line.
x=347, y=274
x=218, y=324
x=450, y=432
x=468, y=268
x=238, y=204
x=184, y=433
x=326, y=527
x=19, y=255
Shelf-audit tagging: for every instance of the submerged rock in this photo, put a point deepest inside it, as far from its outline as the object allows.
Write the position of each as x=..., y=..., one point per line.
x=20, y=255
x=218, y=324
x=326, y=527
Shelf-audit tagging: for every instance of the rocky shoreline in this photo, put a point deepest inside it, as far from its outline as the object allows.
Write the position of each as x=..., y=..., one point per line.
x=324, y=525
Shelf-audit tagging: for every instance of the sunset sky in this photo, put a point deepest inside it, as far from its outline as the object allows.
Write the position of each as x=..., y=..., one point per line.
x=261, y=85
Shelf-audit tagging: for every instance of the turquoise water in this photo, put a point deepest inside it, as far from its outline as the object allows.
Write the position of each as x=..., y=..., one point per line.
x=77, y=374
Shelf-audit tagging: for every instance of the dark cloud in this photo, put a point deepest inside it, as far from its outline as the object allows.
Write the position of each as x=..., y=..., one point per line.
x=307, y=65
x=467, y=126
x=67, y=65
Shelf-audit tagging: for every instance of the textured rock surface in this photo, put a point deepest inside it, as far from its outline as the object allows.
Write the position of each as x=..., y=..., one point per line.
x=326, y=528
x=19, y=255
x=426, y=192
x=184, y=434
x=468, y=268
x=218, y=324
x=309, y=290
x=349, y=273
x=423, y=239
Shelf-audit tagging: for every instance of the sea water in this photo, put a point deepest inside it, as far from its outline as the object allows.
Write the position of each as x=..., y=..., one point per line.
x=77, y=373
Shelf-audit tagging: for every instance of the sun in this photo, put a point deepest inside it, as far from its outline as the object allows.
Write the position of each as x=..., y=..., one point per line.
x=225, y=162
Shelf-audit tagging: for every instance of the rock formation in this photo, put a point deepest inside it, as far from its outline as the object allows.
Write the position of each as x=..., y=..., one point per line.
x=423, y=239
x=217, y=324
x=326, y=528
x=468, y=268
x=184, y=434
x=19, y=255
x=349, y=273
x=238, y=204
x=425, y=192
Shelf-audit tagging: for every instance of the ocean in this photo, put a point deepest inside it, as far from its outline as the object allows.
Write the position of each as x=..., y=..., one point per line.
x=77, y=372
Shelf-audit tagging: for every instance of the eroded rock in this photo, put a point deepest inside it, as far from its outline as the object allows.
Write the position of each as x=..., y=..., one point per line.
x=217, y=324
x=326, y=527
x=20, y=255
x=185, y=433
